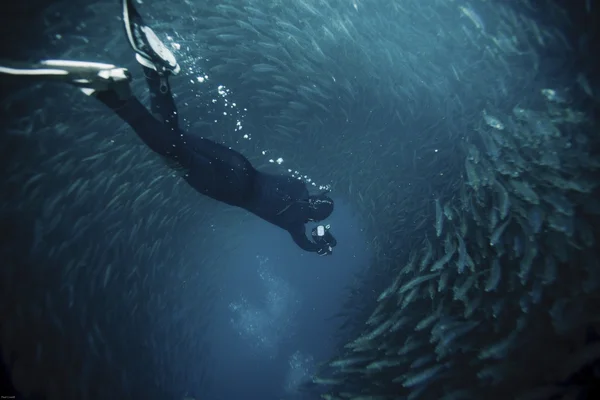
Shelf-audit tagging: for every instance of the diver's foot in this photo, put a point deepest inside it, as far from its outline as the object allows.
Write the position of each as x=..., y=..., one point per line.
x=150, y=51
x=90, y=77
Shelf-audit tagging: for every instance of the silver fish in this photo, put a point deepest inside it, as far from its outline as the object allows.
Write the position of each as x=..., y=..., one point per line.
x=439, y=218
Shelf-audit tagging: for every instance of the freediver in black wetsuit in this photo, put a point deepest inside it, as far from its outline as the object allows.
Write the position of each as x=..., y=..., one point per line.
x=212, y=169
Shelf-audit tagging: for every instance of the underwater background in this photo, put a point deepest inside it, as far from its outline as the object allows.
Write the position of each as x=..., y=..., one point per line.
x=461, y=143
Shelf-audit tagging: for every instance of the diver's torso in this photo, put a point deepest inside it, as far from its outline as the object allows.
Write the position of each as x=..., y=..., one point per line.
x=217, y=171
x=227, y=176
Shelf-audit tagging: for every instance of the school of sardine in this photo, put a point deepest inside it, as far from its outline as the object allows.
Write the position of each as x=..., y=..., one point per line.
x=414, y=110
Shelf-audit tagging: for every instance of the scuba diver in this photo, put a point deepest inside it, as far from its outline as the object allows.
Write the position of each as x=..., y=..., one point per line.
x=211, y=168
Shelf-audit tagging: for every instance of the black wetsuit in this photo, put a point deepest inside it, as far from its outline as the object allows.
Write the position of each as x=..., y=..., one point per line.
x=213, y=169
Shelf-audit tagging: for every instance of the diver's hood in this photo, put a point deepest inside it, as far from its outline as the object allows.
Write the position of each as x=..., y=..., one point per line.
x=321, y=197
x=313, y=201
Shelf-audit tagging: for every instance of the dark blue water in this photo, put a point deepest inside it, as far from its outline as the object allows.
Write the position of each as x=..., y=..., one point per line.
x=248, y=315
x=290, y=308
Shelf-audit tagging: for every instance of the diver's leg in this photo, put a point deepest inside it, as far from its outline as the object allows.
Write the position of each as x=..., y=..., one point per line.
x=161, y=98
x=157, y=61
x=153, y=133
x=110, y=85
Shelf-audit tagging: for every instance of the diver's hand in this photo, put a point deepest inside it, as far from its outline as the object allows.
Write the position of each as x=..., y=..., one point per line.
x=325, y=251
x=324, y=239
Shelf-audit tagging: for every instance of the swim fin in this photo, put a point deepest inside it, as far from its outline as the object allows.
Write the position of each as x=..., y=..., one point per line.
x=150, y=51
x=88, y=76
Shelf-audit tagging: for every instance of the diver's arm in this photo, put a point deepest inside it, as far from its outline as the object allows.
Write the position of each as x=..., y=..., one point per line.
x=330, y=239
x=299, y=236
